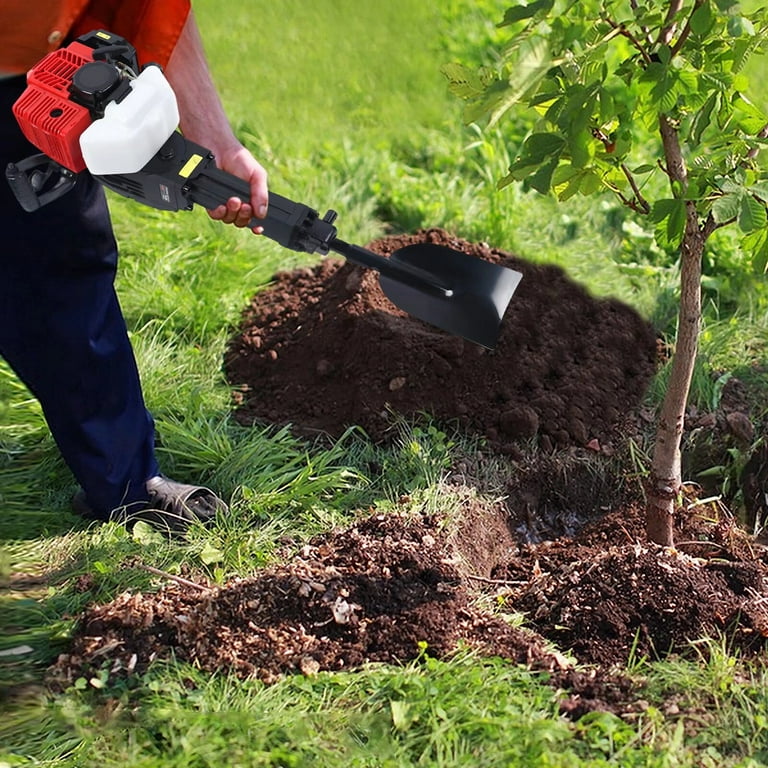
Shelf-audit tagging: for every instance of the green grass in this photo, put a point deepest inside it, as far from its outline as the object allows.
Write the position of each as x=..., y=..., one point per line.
x=466, y=712
x=344, y=104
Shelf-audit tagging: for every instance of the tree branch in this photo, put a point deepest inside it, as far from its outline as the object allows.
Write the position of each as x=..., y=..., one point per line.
x=686, y=29
x=675, y=169
x=642, y=203
x=669, y=27
x=622, y=30
x=710, y=225
x=171, y=577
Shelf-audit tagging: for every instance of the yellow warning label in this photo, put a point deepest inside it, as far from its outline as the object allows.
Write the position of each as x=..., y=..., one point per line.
x=103, y=35
x=190, y=166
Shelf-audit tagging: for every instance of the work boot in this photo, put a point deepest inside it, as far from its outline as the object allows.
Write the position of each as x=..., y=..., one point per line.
x=171, y=507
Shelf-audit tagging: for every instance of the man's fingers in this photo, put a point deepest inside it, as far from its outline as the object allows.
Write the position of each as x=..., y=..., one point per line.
x=234, y=212
x=259, y=189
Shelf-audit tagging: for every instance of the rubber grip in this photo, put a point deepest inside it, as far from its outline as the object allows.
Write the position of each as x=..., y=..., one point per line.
x=293, y=225
x=22, y=188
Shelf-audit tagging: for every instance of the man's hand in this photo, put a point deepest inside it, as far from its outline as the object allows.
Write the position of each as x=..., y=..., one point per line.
x=240, y=162
x=203, y=121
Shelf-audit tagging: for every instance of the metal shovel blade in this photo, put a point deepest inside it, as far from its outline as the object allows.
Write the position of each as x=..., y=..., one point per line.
x=474, y=304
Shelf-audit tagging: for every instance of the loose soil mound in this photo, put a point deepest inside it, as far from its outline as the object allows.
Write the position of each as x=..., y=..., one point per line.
x=389, y=588
x=324, y=349
x=378, y=591
x=605, y=600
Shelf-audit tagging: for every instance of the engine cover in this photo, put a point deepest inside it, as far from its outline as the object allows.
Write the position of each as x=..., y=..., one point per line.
x=85, y=107
x=49, y=119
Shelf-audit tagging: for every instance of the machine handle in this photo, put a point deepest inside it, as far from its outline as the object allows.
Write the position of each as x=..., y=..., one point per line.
x=292, y=225
x=298, y=227
x=29, y=177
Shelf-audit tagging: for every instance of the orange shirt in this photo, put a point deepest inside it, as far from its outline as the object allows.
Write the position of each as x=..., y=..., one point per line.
x=29, y=30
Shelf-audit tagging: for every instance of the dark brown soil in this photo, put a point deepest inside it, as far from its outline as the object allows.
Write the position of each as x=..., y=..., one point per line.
x=392, y=587
x=562, y=544
x=324, y=349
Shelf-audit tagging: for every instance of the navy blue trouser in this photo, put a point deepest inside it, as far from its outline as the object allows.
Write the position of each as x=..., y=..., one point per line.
x=63, y=333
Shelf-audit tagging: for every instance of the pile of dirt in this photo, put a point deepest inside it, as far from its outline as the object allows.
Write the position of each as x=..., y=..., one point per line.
x=323, y=349
x=562, y=543
x=607, y=601
x=392, y=587
x=382, y=590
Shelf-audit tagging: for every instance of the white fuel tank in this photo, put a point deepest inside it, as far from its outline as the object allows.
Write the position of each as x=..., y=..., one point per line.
x=133, y=130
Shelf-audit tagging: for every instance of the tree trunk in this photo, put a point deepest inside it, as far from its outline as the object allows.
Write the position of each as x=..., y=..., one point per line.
x=666, y=473
x=666, y=477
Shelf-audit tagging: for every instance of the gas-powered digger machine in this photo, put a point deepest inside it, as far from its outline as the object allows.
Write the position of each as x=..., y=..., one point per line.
x=88, y=107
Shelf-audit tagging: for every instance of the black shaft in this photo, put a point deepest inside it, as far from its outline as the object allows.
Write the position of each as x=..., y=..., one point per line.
x=396, y=270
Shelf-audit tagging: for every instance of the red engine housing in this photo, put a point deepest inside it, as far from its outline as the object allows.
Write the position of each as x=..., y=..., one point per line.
x=47, y=116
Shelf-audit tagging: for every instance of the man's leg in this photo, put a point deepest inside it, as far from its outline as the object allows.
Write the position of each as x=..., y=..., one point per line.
x=62, y=331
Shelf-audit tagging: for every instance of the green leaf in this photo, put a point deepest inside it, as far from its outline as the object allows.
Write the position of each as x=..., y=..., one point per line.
x=676, y=224
x=463, y=81
x=568, y=181
x=686, y=81
x=607, y=106
x=531, y=67
x=565, y=181
x=729, y=185
x=541, y=180
x=582, y=148
x=537, y=148
x=145, y=534
x=742, y=50
x=726, y=208
x=760, y=189
x=643, y=169
x=752, y=215
x=739, y=26
x=210, y=554
x=522, y=12
x=661, y=209
x=662, y=92
x=669, y=216
x=717, y=81
x=751, y=119
x=756, y=244
x=668, y=84
x=491, y=100
x=703, y=118
x=653, y=72
x=701, y=19
x=590, y=183
x=664, y=52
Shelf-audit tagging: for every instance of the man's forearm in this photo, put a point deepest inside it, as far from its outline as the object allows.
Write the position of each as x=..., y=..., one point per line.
x=203, y=119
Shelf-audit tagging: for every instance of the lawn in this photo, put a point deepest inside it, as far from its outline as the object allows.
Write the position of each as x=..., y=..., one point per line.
x=345, y=105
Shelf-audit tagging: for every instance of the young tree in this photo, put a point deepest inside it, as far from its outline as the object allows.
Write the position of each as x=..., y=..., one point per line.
x=624, y=92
